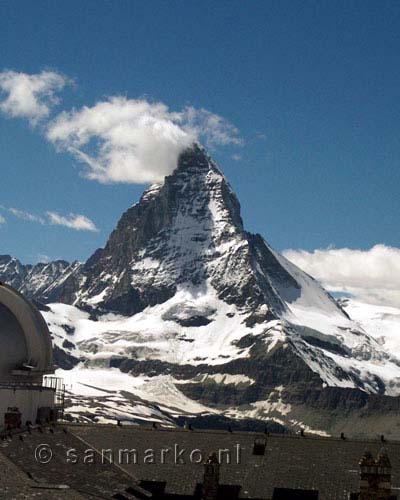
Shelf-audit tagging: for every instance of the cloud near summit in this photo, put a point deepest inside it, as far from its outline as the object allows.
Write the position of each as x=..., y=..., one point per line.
x=118, y=140
x=135, y=141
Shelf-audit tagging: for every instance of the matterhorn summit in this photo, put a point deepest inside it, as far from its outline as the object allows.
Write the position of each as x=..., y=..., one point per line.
x=187, y=234
x=184, y=312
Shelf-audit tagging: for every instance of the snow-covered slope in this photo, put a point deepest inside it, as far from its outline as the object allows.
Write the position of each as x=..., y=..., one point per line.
x=365, y=347
x=343, y=352
x=381, y=322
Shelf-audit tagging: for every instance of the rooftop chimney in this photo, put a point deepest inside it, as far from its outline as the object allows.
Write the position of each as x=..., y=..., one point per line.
x=211, y=478
x=375, y=477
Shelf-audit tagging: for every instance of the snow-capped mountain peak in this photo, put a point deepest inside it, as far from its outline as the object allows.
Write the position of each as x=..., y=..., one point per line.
x=187, y=232
x=182, y=292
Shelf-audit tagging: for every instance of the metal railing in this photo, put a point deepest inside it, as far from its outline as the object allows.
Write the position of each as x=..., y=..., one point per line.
x=57, y=384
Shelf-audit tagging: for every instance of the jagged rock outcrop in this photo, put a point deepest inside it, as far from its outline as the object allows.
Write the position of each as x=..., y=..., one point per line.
x=34, y=281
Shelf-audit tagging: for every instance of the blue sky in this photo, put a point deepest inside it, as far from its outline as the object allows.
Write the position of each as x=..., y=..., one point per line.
x=312, y=88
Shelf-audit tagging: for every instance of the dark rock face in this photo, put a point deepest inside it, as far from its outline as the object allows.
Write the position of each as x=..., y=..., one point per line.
x=217, y=422
x=64, y=360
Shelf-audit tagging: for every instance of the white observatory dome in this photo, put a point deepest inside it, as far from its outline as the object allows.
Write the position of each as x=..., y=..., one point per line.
x=25, y=342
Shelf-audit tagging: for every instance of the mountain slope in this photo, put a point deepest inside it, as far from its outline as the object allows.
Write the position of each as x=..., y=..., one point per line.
x=184, y=299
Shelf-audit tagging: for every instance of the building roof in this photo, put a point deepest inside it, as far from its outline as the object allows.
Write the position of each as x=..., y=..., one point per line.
x=24, y=337
x=88, y=478
x=328, y=465
x=15, y=485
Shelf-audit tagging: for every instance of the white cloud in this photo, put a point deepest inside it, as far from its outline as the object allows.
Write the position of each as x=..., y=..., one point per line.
x=212, y=128
x=135, y=141
x=369, y=275
x=118, y=139
x=2, y=220
x=73, y=221
x=30, y=96
x=21, y=214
